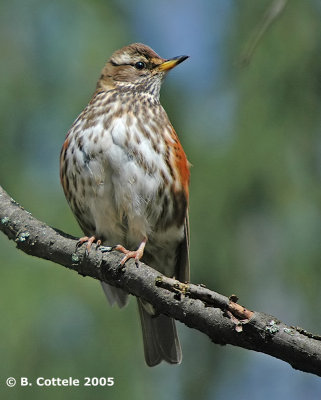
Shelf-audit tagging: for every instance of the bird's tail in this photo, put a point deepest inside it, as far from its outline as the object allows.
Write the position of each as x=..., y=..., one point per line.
x=159, y=332
x=115, y=295
x=159, y=337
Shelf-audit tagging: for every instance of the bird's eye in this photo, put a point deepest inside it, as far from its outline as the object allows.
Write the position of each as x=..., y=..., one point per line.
x=140, y=65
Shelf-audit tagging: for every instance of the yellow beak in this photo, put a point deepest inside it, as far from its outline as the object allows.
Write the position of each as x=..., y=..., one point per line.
x=171, y=63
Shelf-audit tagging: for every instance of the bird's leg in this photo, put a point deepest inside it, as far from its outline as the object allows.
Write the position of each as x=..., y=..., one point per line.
x=90, y=240
x=136, y=254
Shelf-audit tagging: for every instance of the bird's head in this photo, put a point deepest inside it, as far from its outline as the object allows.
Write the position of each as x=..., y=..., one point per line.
x=136, y=67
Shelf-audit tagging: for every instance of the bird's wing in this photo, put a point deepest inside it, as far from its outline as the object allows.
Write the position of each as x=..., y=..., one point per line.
x=182, y=265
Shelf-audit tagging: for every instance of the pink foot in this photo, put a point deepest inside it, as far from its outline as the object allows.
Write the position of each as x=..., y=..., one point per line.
x=90, y=241
x=136, y=254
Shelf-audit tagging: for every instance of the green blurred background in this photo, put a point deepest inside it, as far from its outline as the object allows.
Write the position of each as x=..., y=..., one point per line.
x=253, y=135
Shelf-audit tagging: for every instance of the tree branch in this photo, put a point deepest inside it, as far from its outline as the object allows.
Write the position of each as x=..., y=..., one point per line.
x=220, y=318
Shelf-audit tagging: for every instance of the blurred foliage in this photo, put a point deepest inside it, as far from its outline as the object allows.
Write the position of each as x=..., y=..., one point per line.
x=252, y=134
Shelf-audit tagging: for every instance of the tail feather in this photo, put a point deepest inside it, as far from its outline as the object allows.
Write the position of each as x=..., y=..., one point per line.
x=159, y=332
x=159, y=337
x=115, y=295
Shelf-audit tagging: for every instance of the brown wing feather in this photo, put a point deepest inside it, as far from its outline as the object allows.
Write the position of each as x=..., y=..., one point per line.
x=182, y=265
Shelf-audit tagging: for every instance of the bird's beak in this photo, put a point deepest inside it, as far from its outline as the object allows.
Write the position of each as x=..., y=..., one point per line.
x=171, y=63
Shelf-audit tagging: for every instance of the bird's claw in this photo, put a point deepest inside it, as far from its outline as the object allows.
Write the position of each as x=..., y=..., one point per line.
x=136, y=254
x=90, y=241
x=120, y=267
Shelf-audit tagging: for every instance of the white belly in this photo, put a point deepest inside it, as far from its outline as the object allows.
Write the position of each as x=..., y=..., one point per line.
x=123, y=180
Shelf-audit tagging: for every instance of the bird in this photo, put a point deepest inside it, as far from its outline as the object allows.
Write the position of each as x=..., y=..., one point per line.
x=126, y=178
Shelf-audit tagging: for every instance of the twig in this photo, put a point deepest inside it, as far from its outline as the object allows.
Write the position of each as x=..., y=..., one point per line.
x=271, y=14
